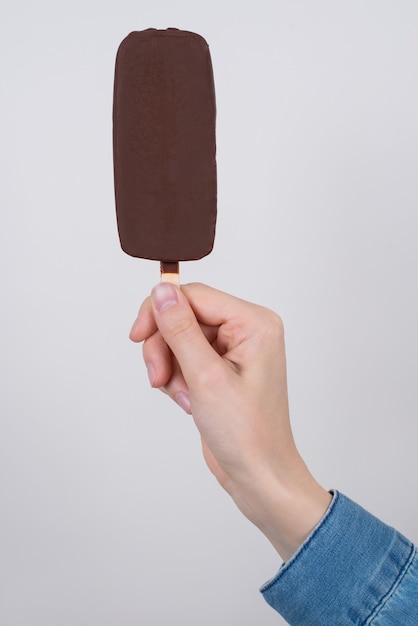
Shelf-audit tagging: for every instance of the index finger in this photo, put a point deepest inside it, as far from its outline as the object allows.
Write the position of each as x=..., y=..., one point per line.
x=144, y=326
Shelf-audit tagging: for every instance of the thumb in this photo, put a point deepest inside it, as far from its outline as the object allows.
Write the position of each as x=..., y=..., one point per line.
x=180, y=329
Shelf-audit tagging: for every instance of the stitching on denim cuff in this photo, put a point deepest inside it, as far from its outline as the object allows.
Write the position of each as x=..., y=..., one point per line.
x=394, y=587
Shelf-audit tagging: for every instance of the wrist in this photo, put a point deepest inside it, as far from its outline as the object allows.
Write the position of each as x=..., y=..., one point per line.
x=285, y=507
x=293, y=515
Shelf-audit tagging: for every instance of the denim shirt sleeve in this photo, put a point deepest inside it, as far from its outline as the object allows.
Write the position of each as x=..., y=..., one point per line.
x=352, y=569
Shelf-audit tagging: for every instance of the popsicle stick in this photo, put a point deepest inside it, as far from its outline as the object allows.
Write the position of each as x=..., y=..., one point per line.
x=170, y=273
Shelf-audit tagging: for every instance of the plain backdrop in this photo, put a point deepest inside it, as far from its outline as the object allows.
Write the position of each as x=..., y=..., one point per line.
x=108, y=515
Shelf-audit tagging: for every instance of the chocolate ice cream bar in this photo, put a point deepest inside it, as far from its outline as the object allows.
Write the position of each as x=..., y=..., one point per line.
x=164, y=146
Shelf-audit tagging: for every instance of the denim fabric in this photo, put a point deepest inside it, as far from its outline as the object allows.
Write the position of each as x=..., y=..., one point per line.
x=352, y=569
x=401, y=606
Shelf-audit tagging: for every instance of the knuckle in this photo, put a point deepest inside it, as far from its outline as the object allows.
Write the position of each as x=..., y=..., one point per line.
x=272, y=328
x=178, y=327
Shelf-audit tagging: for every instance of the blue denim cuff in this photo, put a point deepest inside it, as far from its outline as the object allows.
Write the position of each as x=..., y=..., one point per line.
x=344, y=572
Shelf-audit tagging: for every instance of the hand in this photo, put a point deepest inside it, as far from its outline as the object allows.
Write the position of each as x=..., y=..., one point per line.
x=223, y=360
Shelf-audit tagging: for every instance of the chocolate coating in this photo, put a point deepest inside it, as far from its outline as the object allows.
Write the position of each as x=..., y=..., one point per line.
x=164, y=145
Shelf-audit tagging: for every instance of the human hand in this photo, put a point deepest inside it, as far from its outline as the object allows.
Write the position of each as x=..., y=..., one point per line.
x=223, y=360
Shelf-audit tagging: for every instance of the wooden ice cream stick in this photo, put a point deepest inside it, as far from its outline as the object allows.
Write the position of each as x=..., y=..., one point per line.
x=170, y=273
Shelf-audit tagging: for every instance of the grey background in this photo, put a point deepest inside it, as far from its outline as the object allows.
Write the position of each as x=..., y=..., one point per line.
x=108, y=514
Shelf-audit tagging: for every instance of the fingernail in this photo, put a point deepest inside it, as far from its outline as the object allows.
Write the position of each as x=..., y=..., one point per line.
x=183, y=400
x=164, y=296
x=151, y=373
